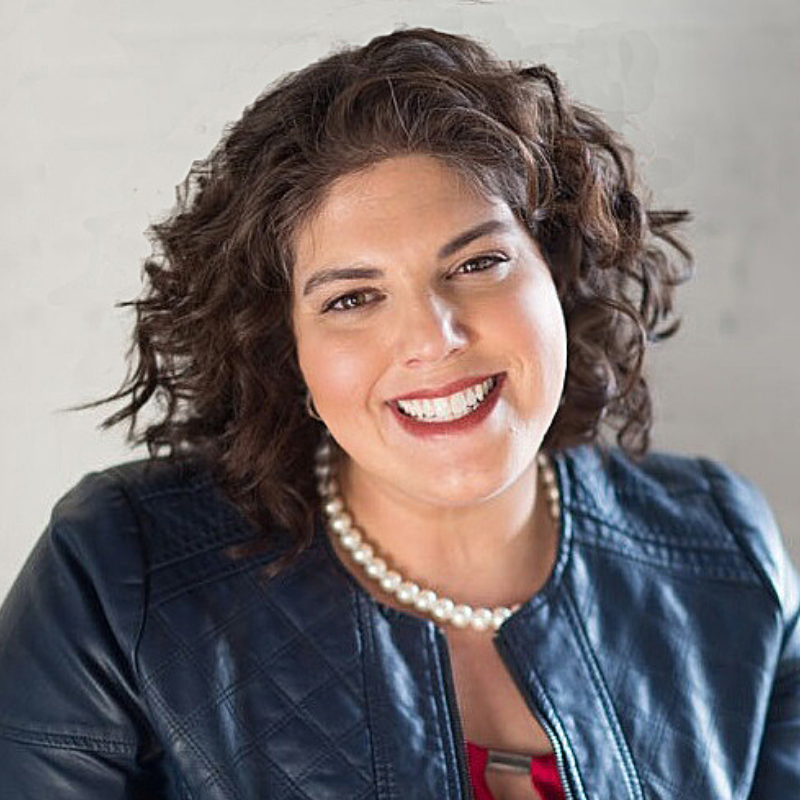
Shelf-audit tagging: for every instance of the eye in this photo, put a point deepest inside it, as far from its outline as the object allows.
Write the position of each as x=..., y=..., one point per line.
x=352, y=301
x=480, y=264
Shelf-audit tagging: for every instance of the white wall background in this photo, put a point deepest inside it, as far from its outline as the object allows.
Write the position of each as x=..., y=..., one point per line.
x=105, y=105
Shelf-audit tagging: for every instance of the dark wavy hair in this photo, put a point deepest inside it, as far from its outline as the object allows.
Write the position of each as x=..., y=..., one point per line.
x=213, y=338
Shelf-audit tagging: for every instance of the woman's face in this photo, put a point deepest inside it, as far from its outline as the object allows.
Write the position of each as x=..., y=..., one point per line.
x=407, y=282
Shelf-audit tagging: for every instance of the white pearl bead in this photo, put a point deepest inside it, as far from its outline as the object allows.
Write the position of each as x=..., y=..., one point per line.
x=333, y=506
x=341, y=522
x=322, y=469
x=363, y=553
x=425, y=600
x=499, y=616
x=442, y=609
x=407, y=592
x=351, y=539
x=390, y=581
x=461, y=616
x=481, y=619
x=376, y=568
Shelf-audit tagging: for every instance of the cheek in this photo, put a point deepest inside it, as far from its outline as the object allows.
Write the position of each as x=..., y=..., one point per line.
x=339, y=372
x=532, y=323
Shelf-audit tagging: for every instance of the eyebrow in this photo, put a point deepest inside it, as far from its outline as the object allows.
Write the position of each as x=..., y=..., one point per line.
x=355, y=272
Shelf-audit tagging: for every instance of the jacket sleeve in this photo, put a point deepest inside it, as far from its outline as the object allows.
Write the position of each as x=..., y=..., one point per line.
x=777, y=773
x=72, y=724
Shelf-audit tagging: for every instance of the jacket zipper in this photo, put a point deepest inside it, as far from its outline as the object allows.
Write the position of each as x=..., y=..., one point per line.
x=462, y=758
x=559, y=753
x=537, y=711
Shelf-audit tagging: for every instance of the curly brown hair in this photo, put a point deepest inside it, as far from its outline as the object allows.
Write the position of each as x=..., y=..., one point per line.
x=213, y=335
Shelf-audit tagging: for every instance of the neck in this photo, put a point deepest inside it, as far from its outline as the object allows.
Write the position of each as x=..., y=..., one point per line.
x=496, y=552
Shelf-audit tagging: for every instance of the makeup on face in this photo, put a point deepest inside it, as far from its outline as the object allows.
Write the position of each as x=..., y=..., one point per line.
x=429, y=330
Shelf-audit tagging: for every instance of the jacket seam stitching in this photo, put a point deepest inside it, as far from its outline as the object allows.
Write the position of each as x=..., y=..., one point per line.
x=629, y=767
x=373, y=720
x=442, y=715
x=64, y=741
x=741, y=540
x=191, y=583
x=668, y=542
x=143, y=614
x=682, y=569
x=199, y=479
x=220, y=542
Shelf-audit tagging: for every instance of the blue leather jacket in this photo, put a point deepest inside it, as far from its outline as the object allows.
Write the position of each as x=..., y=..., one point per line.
x=139, y=659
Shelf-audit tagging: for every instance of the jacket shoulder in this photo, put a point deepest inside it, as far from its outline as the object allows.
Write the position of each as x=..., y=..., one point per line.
x=177, y=504
x=118, y=525
x=71, y=625
x=95, y=544
x=68, y=631
x=94, y=534
x=690, y=511
x=749, y=517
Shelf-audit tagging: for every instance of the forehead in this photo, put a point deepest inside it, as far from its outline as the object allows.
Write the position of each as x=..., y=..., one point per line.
x=403, y=204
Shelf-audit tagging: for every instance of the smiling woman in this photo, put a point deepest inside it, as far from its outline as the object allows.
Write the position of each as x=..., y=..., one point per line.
x=383, y=546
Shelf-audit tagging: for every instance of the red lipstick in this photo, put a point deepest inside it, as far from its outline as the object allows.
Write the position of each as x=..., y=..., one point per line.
x=444, y=391
x=466, y=423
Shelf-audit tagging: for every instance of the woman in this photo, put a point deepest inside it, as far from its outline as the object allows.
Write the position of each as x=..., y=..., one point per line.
x=380, y=548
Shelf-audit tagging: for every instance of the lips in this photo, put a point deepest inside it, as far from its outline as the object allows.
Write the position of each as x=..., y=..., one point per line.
x=425, y=429
x=447, y=389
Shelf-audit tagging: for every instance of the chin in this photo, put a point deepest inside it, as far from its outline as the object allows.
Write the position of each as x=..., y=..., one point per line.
x=458, y=488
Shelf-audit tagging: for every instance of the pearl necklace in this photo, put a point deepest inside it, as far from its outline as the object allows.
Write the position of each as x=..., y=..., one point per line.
x=442, y=609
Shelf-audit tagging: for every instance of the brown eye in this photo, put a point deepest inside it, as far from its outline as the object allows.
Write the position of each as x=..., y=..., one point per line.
x=480, y=264
x=351, y=301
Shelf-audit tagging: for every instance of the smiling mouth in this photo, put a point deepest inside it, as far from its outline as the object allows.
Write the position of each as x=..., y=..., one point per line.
x=448, y=409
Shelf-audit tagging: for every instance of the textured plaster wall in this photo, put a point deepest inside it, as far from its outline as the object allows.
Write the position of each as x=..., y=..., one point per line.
x=106, y=104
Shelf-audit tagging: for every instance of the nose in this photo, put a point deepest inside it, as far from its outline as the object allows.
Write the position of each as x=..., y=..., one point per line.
x=430, y=330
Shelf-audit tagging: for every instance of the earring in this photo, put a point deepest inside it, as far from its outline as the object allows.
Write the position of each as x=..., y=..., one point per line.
x=310, y=409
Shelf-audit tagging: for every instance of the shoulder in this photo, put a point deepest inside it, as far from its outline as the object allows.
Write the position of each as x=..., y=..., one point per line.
x=167, y=509
x=118, y=527
x=96, y=544
x=746, y=513
x=72, y=623
x=715, y=519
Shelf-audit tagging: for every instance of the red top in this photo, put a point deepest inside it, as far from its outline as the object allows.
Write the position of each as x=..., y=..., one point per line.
x=544, y=774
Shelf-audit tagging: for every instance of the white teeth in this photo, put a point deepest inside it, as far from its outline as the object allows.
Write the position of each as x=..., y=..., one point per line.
x=446, y=409
x=415, y=407
x=458, y=403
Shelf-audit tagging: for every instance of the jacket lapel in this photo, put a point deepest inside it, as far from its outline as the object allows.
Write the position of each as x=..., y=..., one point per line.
x=547, y=651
